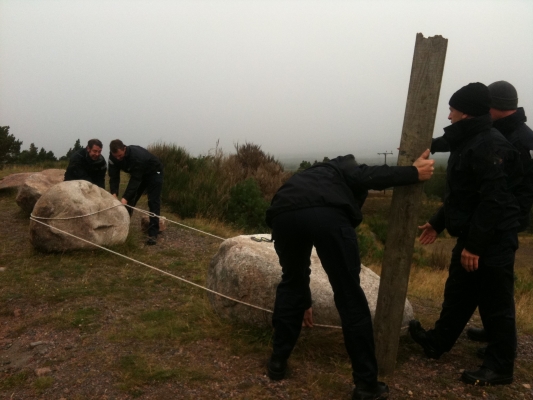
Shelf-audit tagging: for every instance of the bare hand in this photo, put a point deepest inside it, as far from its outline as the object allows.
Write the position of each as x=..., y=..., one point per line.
x=429, y=235
x=308, y=318
x=115, y=195
x=469, y=261
x=425, y=166
x=124, y=201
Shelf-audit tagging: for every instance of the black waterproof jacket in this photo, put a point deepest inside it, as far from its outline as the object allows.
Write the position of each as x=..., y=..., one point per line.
x=515, y=130
x=337, y=183
x=478, y=201
x=81, y=166
x=139, y=163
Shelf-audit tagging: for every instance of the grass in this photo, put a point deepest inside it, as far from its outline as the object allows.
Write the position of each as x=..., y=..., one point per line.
x=141, y=334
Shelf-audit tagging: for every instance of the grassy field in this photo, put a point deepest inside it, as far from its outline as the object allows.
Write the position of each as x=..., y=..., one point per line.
x=92, y=325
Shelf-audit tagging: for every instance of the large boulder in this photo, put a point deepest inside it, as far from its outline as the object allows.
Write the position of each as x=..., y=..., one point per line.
x=36, y=185
x=249, y=271
x=65, y=206
x=14, y=180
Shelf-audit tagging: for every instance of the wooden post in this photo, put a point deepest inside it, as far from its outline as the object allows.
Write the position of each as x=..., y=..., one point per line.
x=419, y=120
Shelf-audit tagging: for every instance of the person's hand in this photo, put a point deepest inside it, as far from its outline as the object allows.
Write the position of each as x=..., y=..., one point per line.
x=115, y=195
x=124, y=201
x=425, y=166
x=308, y=318
x=429, y=235
x=469, y=261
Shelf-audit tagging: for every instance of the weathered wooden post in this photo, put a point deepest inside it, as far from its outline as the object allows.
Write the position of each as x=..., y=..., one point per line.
x=419, y=120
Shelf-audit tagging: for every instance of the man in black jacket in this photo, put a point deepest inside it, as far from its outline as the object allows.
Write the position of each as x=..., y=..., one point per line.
x=482, y=212
x=510, y=120
x=321, y=207
x=88, y=164
x=146, y=175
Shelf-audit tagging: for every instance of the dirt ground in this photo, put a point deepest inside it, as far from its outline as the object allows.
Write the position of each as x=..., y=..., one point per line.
x=37, y=362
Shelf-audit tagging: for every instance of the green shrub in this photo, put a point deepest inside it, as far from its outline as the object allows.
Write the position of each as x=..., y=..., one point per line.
x=246, y=206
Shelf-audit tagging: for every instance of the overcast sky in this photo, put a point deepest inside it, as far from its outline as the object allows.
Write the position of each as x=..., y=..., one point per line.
x=296, y=77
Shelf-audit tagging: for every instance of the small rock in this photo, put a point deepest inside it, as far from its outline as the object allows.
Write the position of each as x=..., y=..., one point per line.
x=410, y=393
x=527, y=385
x=2, y=269
x=43, y=371
x=66, y=390
x=35, y=344
x=17, y=312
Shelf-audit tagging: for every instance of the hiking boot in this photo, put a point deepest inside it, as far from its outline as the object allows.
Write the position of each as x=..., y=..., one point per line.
x=477, y=334
x=276, y=368
x=419, y=335
x=486, y=377
x=365, y=391
x=480, y=353
x=151, y=241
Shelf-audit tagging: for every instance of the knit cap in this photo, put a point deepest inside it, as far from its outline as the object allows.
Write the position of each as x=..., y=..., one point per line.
x=504, y=96
x=472, y=99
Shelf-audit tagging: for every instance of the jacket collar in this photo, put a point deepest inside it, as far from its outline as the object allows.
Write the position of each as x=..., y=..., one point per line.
x=510, y=123
x=464, y=130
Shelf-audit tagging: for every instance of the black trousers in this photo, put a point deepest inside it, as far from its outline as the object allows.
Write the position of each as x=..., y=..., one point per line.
x=152, y=185
x=330, y=231
x=491, y=288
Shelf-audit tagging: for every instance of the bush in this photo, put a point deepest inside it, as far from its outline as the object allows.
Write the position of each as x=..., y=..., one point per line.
x=246, y=206
x=202, y=186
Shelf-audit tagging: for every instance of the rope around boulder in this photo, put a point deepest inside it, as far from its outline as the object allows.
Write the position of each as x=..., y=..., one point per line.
x=36, y=219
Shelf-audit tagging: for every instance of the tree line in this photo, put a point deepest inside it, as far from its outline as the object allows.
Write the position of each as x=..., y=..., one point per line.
x=10, y=150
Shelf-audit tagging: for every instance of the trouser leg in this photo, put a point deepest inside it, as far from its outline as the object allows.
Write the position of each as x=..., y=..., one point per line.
x=293, y=246
x=153, y=191
x=138, y=194
x=337, y=248
x=460, y=301
x=496, y=305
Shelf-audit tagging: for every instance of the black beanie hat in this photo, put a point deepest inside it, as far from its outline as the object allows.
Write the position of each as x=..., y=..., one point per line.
x=504, y=96
x=472, y=99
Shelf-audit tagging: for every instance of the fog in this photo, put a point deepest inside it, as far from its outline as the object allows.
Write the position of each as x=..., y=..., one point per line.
x=299, y=78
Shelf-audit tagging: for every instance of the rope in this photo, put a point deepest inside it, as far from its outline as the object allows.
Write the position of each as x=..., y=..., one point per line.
x=167, y=273
x=76, y=216
x=151, y=214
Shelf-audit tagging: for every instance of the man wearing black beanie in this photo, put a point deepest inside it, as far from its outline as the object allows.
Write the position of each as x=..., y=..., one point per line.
x=510, y=120
x=483, y=214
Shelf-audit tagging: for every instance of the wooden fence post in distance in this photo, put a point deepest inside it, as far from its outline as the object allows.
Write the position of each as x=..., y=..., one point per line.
x=417, y=131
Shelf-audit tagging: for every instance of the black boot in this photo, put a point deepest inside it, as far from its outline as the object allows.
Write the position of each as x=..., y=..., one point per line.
x=485, y=377
x=365, y=391
x=477, y=334
x=277, y=368
x=419, y=335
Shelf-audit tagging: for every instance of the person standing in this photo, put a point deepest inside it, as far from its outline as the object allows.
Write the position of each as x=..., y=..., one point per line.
x=510, y=120
x=88, y=164
x=482, y=212
x=321, y=207
x=146, y=175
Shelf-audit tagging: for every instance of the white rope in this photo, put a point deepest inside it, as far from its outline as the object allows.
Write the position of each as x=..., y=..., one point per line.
x=76, y=216
x=167, y=273
x=151, y=214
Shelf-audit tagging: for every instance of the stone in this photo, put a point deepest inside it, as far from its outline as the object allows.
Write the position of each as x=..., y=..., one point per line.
x=43, y=371
x=14, y=180
x=36, y=185
x=249, y=271
x=65, y=206
x=145, y=222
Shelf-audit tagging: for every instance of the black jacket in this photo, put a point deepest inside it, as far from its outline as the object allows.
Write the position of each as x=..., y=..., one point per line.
x=515, y=130
x=337, y=183
x=139, y=163
x=478, y=201
x=81, y=166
